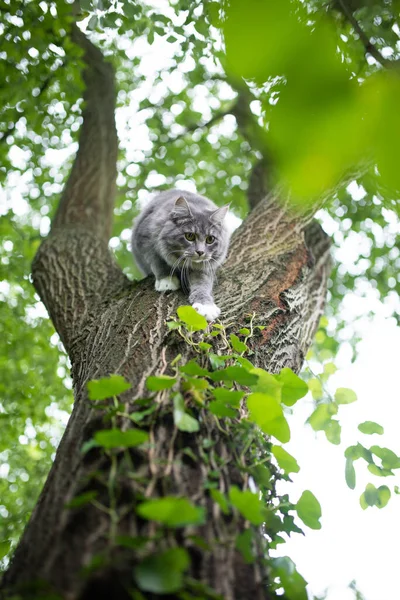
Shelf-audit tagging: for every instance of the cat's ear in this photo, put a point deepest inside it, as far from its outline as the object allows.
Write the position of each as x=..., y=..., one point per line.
x=219, y=215
x=182, y=208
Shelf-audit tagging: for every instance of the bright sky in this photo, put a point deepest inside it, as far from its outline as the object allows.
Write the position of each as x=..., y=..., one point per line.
x=353, y=544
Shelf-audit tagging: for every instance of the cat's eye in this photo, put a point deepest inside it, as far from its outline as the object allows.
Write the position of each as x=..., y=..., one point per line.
x=190, y=236
x=210, y=239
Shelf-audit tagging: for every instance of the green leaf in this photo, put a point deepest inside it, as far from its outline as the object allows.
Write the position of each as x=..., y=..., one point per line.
x=171, y=511
x=219, y=409
x=106, y=387
x=267, y=413
x=237, y=345
x=383, y=496
x=244, y=543
x=231, y=397
x=162, y=573
x=330, y=368
x=193, y=368
x=293, y=387
x=248, y=504
x=262, y=476
x=115, y=438
x=350, y=474
x=389, y=459
x=5, y=546
x=93, y=22
x=134, y=543
x=220, y=499
x=191, y=318
x=370, y=427
x=292, y=582
x=309, y=510
x=332, y=431
x=267, y=384
x=378, y=471
x=239, y=374
x=244, y=331
x=345, y=396
x=322, y=415
x=183, y=421
x=82, y=499
x=369, y=497
x=216, y=361
x=285, y=460
x=204, y=346
x=358, y=451
x=160, y=382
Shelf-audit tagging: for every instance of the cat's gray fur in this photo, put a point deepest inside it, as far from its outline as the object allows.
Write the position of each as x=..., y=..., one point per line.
x=159, y=245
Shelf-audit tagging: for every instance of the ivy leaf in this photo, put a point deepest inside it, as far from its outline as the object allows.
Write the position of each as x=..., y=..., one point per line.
x=322, y=415
x=291, y=580
x=115, y=438
x=106, y=387
x=267, y=413
x=162, y=573
x=345, y=396
x=216, y=361
x=237, y=345
x=309, y=510
x=171, y=511
x=262, y=476
x=370, y=427
x=220, y=499
x=239, y=374
x=219, y=409
x=293, y=388
x=285, y=460
x=248, y=504
x=160, y=382
x=350, y=474
x=4, y=548
x=183, y=421
x=231, y=397
x=244, y=542
x=204, y=346
x=267, y=384
x=193, y=368
x=192, y=319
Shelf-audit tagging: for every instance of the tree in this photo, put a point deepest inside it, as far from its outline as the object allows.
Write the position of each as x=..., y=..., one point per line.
x=102, y=320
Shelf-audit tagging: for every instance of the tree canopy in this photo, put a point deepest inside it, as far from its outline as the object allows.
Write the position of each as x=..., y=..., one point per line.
x=310, y=89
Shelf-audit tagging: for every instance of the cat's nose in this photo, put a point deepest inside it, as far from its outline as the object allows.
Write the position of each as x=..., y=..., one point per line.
x=200, y=252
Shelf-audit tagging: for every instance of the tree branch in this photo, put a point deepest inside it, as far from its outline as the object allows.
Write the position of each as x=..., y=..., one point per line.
x=368, y=45
x=75, y=256
x=89, y=194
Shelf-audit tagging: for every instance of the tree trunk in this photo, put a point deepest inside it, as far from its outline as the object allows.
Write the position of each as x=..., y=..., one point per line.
x=277, y=268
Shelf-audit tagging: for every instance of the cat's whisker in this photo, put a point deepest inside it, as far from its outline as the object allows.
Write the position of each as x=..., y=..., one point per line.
x=175, y=265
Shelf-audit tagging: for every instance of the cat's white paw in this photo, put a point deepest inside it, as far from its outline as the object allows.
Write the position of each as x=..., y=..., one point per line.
x=209, y=311
x=167, y=283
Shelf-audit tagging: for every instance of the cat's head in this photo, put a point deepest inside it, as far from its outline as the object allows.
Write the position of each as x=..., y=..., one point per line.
x=197, y=233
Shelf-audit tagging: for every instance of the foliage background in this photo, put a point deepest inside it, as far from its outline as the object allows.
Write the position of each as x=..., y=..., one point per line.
x=316, y=106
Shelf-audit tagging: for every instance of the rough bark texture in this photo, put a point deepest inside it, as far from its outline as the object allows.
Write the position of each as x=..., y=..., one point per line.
x=277, y=267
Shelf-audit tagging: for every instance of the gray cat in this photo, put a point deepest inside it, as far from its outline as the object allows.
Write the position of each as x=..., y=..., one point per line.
x=181, y=239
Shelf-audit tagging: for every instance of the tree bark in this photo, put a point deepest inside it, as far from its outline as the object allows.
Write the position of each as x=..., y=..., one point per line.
x=277, y=268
